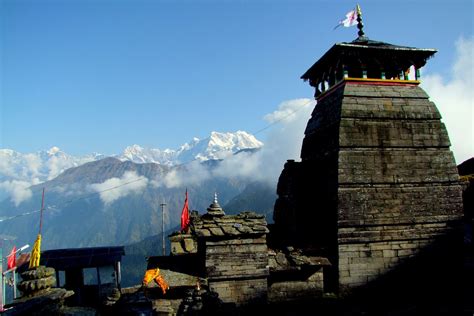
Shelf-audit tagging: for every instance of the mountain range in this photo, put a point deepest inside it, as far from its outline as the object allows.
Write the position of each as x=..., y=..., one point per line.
x=34, y=168
x=97, y=200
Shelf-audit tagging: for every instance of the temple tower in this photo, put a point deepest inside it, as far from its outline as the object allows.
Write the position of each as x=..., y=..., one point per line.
x=377, y=185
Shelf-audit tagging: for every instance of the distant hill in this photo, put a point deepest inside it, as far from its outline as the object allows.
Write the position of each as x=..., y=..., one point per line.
x=111, y=202
x=257, y=196
x=134, y=262
x=77, y=216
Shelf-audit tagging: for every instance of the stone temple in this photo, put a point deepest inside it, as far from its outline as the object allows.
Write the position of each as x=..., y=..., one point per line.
x=373, y=207
x=377, y=186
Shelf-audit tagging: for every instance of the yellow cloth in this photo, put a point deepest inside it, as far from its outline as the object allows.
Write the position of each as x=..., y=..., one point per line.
x=154, y=274
x=35, y=253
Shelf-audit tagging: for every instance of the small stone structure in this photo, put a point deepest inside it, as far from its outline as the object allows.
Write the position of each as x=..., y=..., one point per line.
x=234, y=251
x=36, y=281
x=229, y=255
x=39, y=297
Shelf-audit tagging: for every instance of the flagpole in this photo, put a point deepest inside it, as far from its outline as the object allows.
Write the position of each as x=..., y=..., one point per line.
x=14, y=285
x=36, y=251
x=41, y=213
x=163, y=228
x=2, y=294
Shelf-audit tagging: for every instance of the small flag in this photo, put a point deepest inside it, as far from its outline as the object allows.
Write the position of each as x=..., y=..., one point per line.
x=185, y=213
x=350, y=20
x=11, y=259
x=36, y=253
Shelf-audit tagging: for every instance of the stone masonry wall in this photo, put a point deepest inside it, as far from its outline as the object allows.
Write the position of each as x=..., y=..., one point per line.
x=363, y=263
x=398, y=184
x=294, y=290
x=237, y=269
x=243, y=291
x=377, y=183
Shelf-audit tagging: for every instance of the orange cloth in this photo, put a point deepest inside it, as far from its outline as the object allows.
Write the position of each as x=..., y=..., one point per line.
x=154, y=274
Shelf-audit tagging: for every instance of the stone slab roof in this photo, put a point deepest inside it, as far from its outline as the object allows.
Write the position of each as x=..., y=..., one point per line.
x=178, y=279
x=392, y=58
x=245, y=223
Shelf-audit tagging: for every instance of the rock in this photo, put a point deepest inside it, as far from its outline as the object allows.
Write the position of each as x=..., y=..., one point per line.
x=37, y=273
x=29, y=287
x=189, y=245
x=48, y=302
x=216, y=231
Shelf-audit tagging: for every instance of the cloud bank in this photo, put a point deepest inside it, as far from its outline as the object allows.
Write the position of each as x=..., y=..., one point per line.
x=20, y=171
x=18, y=191
x=115, y=188
x=454, y=98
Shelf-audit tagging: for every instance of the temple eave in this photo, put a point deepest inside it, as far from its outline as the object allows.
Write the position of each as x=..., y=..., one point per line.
x=368, y=81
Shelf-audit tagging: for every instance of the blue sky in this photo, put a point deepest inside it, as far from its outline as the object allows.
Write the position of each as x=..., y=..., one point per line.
x=97, y=76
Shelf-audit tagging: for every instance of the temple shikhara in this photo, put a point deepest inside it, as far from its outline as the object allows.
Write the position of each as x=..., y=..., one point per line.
x=377, y=183
x=372, y=212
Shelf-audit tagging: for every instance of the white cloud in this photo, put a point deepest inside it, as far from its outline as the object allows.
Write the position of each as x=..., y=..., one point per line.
x=283, y=142
x=57, y=165
x=114, y=188
x=189, y=174
x=455, y=100
x=19, y=191
x=32, y=166
x=289, y=111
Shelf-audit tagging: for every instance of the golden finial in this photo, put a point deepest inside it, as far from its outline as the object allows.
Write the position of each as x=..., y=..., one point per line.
x=360, y=25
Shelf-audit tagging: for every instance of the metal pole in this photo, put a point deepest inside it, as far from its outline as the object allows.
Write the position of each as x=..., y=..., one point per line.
x=2, y=291
x=119, y=276
x=163, y=228
x=14, y=284
x=41, y=213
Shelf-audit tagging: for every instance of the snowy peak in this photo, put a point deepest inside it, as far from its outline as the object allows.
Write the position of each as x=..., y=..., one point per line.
x=234, y=141
x=138, y=154
x=216, y=146
x=53, y=151
x=222, y=145
x=45, y=165
x=38, y=167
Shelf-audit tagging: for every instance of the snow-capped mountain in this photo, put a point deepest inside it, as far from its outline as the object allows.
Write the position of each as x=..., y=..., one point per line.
x=216, y=146
x=33, y=168
x=40, y=166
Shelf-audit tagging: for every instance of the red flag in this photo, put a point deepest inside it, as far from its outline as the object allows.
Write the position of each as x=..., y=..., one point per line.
x=11, y=259
x=185, y=214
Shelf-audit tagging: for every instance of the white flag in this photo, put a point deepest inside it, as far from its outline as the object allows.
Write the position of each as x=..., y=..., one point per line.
x=350, y=20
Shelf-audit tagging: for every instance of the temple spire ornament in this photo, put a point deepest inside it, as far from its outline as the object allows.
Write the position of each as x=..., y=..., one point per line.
x=215, y=209
x=360, y=25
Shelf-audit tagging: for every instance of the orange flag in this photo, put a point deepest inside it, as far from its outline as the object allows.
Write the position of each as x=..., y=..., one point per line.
x=185, y=214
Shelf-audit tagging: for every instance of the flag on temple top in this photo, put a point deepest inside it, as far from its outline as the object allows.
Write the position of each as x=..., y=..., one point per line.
x=11, y=259
x=350, y=20
x=185, y=213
